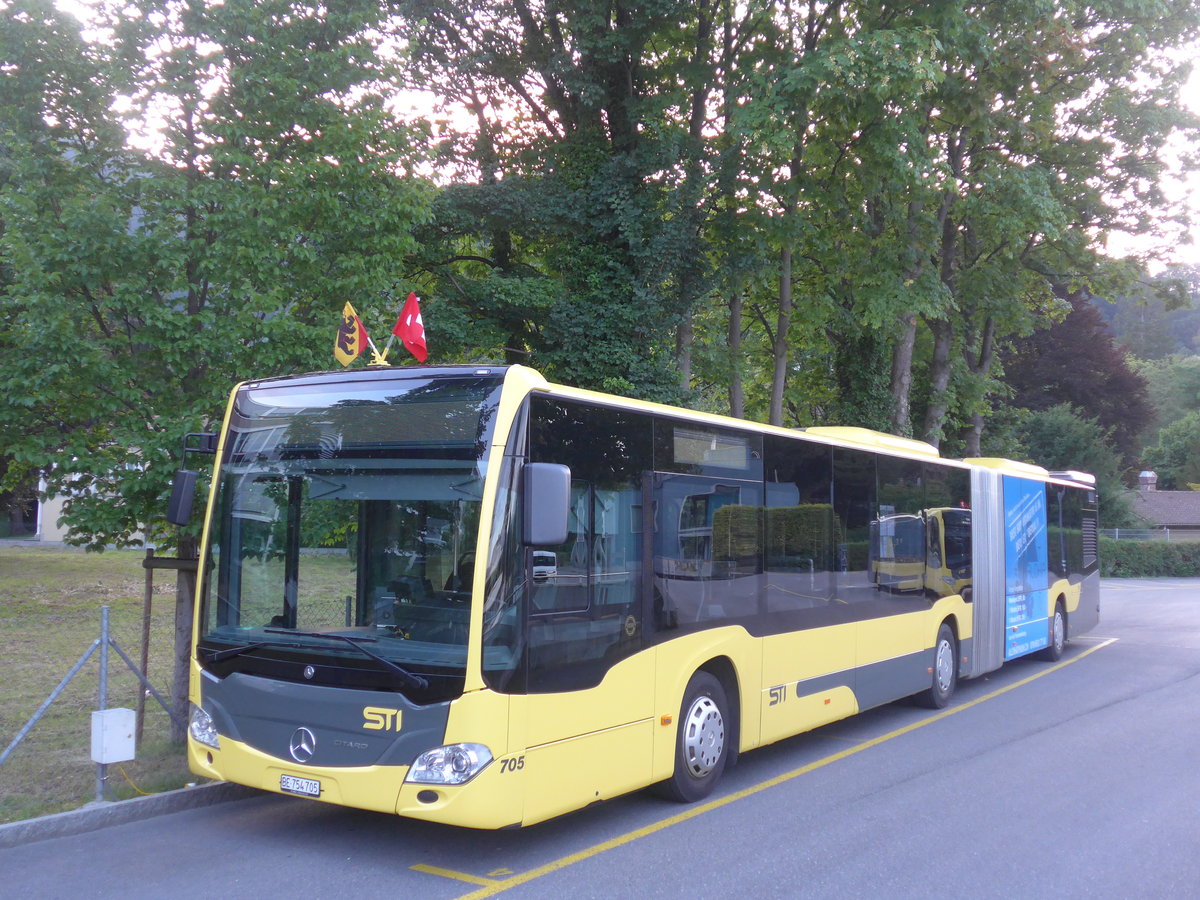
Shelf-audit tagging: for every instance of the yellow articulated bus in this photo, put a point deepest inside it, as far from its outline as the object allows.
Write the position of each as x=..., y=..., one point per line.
x=470, y=596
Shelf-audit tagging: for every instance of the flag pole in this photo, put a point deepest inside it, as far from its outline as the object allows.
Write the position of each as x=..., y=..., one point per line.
x=377, y=358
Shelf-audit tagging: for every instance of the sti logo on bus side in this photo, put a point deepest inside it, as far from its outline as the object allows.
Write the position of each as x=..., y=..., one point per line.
x=378, y=718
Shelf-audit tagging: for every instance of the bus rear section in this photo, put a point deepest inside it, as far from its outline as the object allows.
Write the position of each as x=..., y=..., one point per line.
x=1037, y=579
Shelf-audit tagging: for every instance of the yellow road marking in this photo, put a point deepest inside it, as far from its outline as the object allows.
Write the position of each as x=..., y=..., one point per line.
x=492, y=888
x=457, y=876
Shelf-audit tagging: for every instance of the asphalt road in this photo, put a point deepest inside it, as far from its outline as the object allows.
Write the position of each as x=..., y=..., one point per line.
x=1077, y=779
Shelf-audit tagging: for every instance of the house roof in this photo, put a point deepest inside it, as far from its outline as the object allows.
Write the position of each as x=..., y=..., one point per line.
x=1172, y=509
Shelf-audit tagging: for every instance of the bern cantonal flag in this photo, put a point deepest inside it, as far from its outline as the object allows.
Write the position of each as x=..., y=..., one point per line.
x=351, y=337
x=410, y=329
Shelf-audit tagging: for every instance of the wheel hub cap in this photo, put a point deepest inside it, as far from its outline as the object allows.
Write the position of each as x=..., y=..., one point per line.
x=945, y=665
x=704, y=736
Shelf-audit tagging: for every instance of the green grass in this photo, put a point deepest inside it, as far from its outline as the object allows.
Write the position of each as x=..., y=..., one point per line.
x=50, y=602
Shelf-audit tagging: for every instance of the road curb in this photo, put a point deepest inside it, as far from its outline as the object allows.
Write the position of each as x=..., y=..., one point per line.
x=93, y=817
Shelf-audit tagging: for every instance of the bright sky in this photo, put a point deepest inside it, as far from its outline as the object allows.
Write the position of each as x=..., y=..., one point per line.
x=1180, y=186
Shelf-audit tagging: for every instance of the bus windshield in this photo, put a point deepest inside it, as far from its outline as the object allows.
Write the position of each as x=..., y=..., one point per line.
x=343, y=542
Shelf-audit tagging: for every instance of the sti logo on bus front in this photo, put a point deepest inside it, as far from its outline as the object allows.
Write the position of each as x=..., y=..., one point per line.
x=378, y=718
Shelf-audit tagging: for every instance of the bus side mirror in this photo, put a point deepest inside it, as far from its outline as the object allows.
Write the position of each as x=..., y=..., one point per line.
x=183, y=493
x=183, y=490
x=547, y=496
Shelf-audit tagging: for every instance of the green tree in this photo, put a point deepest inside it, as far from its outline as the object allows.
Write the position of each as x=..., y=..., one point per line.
x=1173, y=385
x=1053, y=126
x=1142, y=322
x=1176, y=455
x=824, y=211
x=832, y=154
x=588, y=156
x=139, y=288
x=1060, y=439
x=1075, y=361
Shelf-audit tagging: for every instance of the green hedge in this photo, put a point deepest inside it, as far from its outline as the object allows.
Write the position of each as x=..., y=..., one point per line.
x=804, y=531
x=1149, y=559
x=736, y=533
x=792, y=532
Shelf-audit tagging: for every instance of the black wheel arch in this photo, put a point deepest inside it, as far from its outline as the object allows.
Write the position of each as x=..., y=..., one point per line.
x=952, y=621
x=723, y=669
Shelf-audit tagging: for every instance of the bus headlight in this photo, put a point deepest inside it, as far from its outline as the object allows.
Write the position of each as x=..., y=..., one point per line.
x=202, y=728
x=455, y=764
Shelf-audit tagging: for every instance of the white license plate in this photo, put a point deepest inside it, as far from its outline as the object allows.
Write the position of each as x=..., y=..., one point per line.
x=305, y=787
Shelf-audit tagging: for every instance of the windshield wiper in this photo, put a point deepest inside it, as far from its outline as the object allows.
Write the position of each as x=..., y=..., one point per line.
x=413, y=681
x=216, y=656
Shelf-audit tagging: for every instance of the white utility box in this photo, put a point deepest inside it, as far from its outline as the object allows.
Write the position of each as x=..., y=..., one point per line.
x=112, y=735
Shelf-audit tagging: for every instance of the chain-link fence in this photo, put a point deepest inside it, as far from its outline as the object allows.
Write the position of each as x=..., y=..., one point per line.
x=50, y=615
x=1177, y=535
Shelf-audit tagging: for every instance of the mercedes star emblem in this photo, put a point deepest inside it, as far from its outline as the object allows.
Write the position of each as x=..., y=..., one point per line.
x=309, y=672
x=303, y=745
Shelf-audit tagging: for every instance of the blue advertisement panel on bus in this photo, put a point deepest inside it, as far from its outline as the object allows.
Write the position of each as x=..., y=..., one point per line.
x=1026, y=563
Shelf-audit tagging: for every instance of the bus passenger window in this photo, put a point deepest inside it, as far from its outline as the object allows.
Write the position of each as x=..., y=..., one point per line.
x=708, y=548
x=585, y=608
x=803, y=535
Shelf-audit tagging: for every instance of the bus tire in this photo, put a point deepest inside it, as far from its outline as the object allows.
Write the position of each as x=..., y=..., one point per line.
x=701, y=741
x=945, y=670
x=1058, y=635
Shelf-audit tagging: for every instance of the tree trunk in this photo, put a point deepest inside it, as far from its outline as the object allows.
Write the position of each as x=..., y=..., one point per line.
x=973, y=436
x=980, y=366
x=691, y=218
x=737, y=397
x=683, y=353
x=780, y=347
x=902, y=357
x=939, y=378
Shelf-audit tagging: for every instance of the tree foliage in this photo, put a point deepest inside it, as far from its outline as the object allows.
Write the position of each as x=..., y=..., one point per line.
x=1061, y=438
x=1175, y=457
x=141, y=287
x=1076, y=362
x=803, y=212
x=822, y=204
x=1173, y=385
x=1157, y=318
x=584, y=169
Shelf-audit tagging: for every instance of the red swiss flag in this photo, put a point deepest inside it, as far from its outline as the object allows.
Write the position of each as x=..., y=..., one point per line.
x=410, y=329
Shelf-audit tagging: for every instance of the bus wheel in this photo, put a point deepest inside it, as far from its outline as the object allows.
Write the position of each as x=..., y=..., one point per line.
x=1058, y=635
x=701, y=742
x=945, y=670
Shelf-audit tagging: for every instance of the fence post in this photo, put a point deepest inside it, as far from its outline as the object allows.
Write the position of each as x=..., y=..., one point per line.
x=147, y=601
x=102, y=700
x=184, y=567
